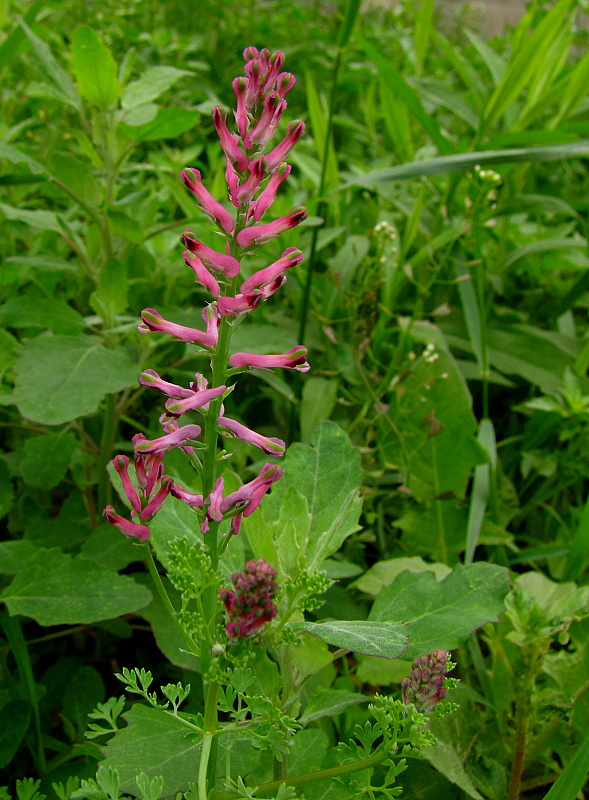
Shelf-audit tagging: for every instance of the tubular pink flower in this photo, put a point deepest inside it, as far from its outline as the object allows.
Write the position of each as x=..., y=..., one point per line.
x=192, y=500
x=294, y=359
x=219, y=262
x=240, y=88
x=232, y=179
x=264, y=129
x=215, y=499
x=229, y=141
x=275, y=157
x=157, y=501
x=290, y=258
x=253, y=71
x=198, y=399
x=246, y=191
x=284, y=83
x=268, y=194
x=260, y=234
x=153, y=321
x=149, y=377
x=133, y=529
x=121, y=465
x=203, y=276
x=250, y=53
x=174, y=439
x=271, y=446
x=149, y=469
x=192, y=179
x=251, y=493
x=275, y=65
x=238, y=305
x=236, y=524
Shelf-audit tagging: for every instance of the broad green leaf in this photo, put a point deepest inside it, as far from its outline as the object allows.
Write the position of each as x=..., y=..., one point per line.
x=16, y=157
x=47, y=458
x=6, y=490
x=441, y=615
x=122, y=225
x=157, y=744
x=83, y=692
x=329, y=702
x=175, y=520
x=168, y=123
x=59, y=378
x=384, y=572
x=307, y=751
x=43, y=262
x=41, y=312
x=110, y=298
x=94, y=68
x=108, y=548
x=292, y=533
x=55, y=589
x=328, y=475
x=372, y=638
x=64, y=87
x=261, y=339
x=433, y=440
x=559, y=601
x=381, y=671
x=45, y=220
x=317, y=403
x=140, y=115
x=16, y=716
x=67, y=530
x=444, y=757
x=14, y=555
x=153, y=82
x=436, y=531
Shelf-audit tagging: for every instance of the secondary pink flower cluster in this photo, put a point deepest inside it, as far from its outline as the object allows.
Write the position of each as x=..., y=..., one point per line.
x=253, y=178
x=251, y=605
x=425, y=688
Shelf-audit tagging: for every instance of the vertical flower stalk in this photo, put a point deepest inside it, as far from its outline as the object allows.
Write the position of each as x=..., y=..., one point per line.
x=255, y=170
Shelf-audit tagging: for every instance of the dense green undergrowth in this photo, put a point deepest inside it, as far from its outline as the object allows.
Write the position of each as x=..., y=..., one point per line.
x=443, y=300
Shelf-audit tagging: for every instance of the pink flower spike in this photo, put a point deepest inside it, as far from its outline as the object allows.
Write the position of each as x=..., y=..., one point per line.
x=266, y=125
x=294, y=359
x=260, y=234
x=268, y=194
x=153, y=321
x=252, y=492
x=240, y=88
x=149, y=377
x=215, y=501
x=229, y=141
x=271, y=446
x=192, y=179
x=199, y=399
x=219, y=262
x=174, y=439
x=157, y=500
x=290, y=258
x=247, y=190
x=133, y=529
x=203, y=276
x=121, y=465
x=238, y=305
x=275, y=157
x=192, y=500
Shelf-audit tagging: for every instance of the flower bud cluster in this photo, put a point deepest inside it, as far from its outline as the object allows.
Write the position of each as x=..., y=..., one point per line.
x=251, y=605
x=253, y=178
x=425, y=687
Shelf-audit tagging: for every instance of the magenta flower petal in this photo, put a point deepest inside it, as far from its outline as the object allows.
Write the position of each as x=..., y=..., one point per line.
x=268, y=194
x=192, y=500
x=169, y=441
x=236, y=306
x=149, y=377
x=199, y=399
x=246, y=191
x=121, y=465
x=132, y=529
x=215, y=500
x=219, y=262
x=192, y=179
x=153, y=321
x=275, y=157
x=294, y=359
x=157, y=500
x=260, y=234
x=271, y=446
x=251, y=493
x=240, y=88
x=229, y=141
x=290, y=258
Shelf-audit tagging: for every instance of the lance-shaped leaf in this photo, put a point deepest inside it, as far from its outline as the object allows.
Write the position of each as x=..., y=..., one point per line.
x=55, y=589
x=384, y=639
x=94, y=68
x=441, y=615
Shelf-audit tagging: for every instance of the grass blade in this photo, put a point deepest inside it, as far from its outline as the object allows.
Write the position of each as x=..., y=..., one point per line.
x=422, y=32
x=481, y=489
x=571, y=780
x=577, y=556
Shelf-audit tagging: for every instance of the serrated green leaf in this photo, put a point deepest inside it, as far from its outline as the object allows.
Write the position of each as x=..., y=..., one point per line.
x=94, y=68
x=41, y=312
x=55, y=589
x=59, y=378
x=384, y=572
x=329, y=702
x=47, y=458
x=384, y=639
x=441, y=615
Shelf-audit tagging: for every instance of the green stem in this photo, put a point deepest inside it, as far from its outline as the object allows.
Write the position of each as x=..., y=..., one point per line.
x=20, y=651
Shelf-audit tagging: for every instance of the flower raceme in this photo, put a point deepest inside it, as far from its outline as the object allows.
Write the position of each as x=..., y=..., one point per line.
x=425, y=687
x=253, y=177
x=251, y=605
